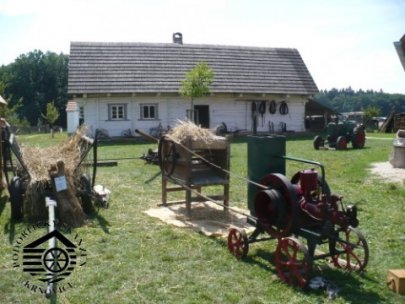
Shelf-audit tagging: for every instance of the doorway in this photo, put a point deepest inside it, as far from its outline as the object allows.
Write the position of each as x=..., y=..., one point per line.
x=202, y=116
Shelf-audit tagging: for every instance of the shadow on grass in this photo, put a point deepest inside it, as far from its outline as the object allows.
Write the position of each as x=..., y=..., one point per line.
x=350, y=285
x=9, y=228
x=153, y=177
x=3, y=201
x=102, y=222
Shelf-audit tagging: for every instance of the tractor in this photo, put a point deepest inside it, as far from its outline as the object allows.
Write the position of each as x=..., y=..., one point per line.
x=339, y=134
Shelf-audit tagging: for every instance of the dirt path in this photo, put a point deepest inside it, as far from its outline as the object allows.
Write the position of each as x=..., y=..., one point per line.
x=389, y=173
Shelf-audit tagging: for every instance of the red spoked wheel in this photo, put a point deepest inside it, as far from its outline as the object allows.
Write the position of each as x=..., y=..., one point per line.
x=277, y=208
x=352, y=250
x=341, y=143
x=292, y=262
x=238, y=243
x=359, y=138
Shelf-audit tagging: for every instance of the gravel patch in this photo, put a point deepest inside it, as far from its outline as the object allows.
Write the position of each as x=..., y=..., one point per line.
x=387, y=172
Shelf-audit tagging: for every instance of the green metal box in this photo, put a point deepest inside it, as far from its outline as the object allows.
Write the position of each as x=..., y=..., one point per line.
x=265, y=155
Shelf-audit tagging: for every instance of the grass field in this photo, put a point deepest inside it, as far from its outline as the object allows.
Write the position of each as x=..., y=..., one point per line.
x=133, y=258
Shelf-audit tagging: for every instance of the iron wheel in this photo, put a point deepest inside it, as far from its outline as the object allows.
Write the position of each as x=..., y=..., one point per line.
x=238, y=243
x=16, y=198
x=292, y=262
x=352, y=250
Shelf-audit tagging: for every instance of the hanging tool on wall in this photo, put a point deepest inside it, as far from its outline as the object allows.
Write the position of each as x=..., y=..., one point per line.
x=271, y=127
x=283, y=108
x=283, y=126
x=254, y=117
x=262, y=111
x=272, y=107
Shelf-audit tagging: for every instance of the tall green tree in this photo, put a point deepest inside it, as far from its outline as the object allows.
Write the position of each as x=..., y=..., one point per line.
x=196, y=84
x=32, y=80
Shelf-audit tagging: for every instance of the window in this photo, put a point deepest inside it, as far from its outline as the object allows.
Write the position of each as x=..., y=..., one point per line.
x=149, y=111
x=117, y=111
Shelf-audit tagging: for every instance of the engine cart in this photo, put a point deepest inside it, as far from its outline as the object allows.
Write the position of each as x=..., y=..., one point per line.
x=300, y=214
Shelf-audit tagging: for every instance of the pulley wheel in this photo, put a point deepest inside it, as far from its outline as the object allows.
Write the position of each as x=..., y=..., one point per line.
x=167, y=156
x=292, y=261
x=238, y=243
x=353, y=250
x=277, y=208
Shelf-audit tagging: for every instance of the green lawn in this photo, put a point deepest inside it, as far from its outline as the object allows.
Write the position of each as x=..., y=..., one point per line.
x=133, y=258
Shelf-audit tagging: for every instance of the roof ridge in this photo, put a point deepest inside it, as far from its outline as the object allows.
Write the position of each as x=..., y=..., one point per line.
x=175, y=45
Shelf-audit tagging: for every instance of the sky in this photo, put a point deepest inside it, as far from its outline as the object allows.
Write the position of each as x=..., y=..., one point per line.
x=343, y=42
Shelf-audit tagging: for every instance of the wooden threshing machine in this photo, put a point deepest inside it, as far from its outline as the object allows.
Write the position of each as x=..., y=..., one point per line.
x=193, y=165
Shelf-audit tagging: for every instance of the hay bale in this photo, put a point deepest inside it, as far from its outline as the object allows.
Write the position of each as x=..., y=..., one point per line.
x=43, y=164
x=185, y=131
x=69, y=209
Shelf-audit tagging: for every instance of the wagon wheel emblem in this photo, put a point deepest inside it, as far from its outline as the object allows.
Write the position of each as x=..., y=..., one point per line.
x=56, y=259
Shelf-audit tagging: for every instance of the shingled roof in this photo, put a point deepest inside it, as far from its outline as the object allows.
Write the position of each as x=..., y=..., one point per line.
x=99, y=67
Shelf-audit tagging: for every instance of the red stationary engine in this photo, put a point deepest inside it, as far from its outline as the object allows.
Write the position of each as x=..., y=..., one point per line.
x=303, y=202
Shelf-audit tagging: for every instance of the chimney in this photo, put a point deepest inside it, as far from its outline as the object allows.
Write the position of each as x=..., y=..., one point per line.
x=178, y=38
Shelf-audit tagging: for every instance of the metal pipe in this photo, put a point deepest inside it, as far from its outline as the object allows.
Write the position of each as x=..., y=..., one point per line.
x=147, y=136
x=51, y=205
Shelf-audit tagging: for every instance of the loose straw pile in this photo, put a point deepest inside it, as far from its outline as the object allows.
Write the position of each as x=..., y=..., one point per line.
x=187, y=130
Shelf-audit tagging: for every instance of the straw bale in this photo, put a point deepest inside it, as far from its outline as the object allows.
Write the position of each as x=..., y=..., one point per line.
x=39, y=160
x=187, y=130
x=45, y=163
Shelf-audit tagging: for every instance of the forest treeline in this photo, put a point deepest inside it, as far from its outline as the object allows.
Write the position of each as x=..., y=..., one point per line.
x=31, y=82
x=35, y=79
x=348, y=100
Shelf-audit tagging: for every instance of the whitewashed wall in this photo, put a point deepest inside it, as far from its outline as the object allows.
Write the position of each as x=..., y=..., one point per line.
x=235, y=113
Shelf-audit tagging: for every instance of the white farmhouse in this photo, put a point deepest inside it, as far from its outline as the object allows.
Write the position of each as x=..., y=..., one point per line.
x=128, y=86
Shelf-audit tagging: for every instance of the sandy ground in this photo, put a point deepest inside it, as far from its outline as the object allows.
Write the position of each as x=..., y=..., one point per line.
x=390, y=174
x=206, y=218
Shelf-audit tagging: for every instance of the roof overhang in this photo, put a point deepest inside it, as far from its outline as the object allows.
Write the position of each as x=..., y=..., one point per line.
x=400, y=47
x=313, y=108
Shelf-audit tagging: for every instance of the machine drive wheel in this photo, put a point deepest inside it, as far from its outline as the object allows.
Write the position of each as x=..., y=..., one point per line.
x=238, y=243
x=16, y=198
x=277, y=208
x=359, y=138
x=85, y=194
x=352, y=250
x=167, y=156
x=318, y=142
x=341, y=143
x=292, y=262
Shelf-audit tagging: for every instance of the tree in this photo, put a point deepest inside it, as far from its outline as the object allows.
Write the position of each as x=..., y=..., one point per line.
x=196, y=84
x=52, y=114
x=33, y=79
